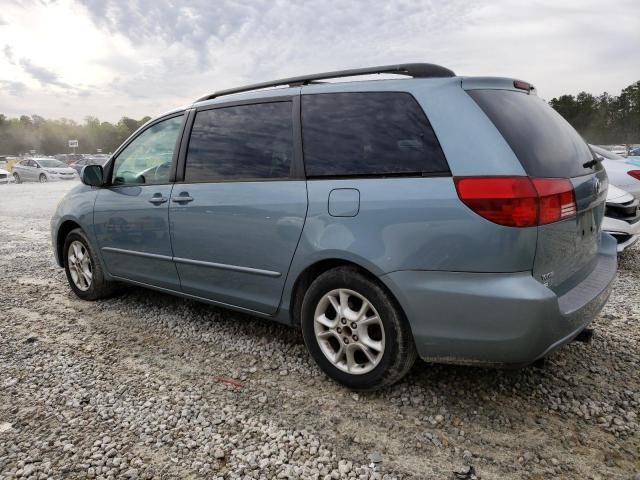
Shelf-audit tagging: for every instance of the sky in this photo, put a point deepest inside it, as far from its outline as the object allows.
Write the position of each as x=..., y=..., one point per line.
x=114, y=58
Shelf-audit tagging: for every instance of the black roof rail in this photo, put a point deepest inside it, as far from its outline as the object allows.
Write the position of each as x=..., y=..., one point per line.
x=416, y=70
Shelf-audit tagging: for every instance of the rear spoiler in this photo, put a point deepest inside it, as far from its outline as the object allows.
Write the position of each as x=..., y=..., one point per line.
x=497, y=83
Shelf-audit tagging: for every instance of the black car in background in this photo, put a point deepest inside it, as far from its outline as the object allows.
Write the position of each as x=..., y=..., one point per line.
x=97, y=160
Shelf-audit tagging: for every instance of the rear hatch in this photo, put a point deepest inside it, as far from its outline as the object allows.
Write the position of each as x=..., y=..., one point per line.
x=548, y=147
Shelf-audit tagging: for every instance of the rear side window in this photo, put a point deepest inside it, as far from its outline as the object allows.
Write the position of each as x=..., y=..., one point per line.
x=368, y=133
x=543, y=141
x=241, y=142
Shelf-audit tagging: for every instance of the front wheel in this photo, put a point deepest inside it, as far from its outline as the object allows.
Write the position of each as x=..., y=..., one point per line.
x=355, y=331
x=83, y=269
x=16, y=178
x=43, y=178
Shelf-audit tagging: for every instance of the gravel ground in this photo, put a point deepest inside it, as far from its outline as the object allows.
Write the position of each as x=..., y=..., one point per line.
x=145, y=385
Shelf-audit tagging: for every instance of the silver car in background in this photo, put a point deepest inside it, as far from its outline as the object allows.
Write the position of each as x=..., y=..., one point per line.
x=42, y=170
x=621, y=174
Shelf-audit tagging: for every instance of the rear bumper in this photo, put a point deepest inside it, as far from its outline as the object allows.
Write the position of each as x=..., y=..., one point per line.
x=498, y=318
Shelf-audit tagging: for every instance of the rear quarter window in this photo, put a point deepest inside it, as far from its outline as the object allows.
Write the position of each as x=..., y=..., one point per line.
x=543, y=141
x=368, y=133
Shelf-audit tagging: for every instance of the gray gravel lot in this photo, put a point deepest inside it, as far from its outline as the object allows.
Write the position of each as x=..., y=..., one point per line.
x=145, y=385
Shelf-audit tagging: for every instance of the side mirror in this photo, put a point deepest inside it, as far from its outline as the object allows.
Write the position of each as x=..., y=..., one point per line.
x=92, y=175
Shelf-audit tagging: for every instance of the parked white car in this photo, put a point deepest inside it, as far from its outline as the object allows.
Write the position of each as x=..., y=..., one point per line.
x=5, y=176
x=42, y=170
x=618, y=150
x=620, y=173
x=622, y=217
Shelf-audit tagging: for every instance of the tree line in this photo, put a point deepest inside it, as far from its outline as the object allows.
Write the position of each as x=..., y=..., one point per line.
x=49, y=137
x=603, y=119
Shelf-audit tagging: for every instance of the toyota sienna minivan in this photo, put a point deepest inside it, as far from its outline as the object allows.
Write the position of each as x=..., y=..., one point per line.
x=453, y=218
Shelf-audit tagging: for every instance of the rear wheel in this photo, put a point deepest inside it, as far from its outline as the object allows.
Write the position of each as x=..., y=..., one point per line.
x=17, y=178
x=43, y=178
x=83, y=269
x=355, y=331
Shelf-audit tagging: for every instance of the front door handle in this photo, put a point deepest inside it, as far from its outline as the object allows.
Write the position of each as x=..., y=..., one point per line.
x=184, y=197
x=158, y=199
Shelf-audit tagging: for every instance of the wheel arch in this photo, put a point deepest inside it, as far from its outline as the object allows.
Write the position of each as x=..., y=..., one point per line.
x=65, y=228
x=312, y=271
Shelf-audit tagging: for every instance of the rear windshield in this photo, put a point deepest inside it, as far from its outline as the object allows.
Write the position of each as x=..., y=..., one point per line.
x=543, y=141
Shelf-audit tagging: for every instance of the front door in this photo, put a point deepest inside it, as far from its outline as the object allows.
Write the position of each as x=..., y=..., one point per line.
x=131, y=216
x=237, y=217
x=30, y=171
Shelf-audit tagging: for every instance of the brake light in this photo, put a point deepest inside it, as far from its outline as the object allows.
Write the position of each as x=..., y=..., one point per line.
x=557, y=200
x=522, y=85
x=635, y=174
x=518, y=201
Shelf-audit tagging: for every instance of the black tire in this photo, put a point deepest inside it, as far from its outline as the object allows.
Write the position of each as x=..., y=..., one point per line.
x=43, y=178
x=16, y=178
x=399, y=351
x=99, y=287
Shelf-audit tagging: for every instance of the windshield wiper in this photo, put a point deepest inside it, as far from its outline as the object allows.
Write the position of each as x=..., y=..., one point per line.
x=592, y=163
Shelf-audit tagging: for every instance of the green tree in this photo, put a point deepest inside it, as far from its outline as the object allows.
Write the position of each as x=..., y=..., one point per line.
x=604, y=119
x=50, y=137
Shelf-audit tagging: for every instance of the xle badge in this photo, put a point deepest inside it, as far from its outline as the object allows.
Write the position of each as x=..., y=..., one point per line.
x=547, y=278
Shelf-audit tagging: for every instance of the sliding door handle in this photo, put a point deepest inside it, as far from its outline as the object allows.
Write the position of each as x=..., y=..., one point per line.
x=158, y=199
x=184, y=197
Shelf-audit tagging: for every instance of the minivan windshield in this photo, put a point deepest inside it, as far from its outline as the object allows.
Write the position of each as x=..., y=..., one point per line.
x=51, y=163
x=543, y=141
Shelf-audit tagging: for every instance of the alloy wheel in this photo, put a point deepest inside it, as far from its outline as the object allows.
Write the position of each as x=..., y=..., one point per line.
x=349, y=331
x=79, y=263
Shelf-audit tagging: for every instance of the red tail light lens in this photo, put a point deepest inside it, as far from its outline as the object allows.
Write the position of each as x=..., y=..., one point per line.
x=510, y=201
x=635, y=174
x=518, y=201
x=557, y=199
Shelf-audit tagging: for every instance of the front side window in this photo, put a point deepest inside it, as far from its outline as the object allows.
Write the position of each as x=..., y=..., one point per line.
x=147, y=159
x=241, y=142
x=368, y=133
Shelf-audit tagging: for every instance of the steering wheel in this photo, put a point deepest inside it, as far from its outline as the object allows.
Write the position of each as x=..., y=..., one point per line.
x=156, y=171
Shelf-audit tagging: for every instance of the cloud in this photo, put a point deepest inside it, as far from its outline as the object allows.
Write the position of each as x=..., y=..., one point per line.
x=8, y=53
x=191, y=23
x=138, y=57
x=43, y=75
x=187, y=49
x=13, y=88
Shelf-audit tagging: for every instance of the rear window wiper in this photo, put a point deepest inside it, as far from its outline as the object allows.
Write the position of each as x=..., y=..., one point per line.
x=592, y=163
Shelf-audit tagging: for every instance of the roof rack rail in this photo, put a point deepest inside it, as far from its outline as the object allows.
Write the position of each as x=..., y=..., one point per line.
x=416, y=70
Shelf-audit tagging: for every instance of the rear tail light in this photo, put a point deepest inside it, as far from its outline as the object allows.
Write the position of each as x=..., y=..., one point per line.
x=557, y=200
x=522, y=85
x=635, y=174
x=518, y=201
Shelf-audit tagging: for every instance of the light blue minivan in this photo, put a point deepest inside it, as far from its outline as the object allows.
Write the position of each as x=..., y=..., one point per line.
x=454, y=218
